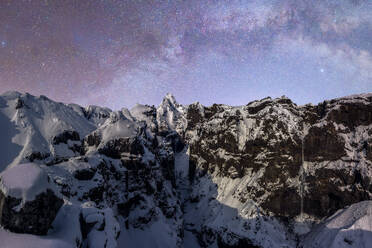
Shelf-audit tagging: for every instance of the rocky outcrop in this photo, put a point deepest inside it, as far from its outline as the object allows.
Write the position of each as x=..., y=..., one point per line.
x=34, y=217
x=28, y=203
x=224, y=239
x=323, y=143
x=37, y=156
x=116, y=147
x=367, y=146
x=85, y=174
x=20, y=103
x=65, y=136
x=94, y=139
x=330, y=190
x=352, y=114
x=99, y=228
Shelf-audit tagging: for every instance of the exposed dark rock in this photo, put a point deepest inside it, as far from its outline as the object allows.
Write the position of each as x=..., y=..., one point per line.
x=254, y=110
x=77, y=148
x=193, y=116
x=323, y=144
x=224, y=239
x=322, y=109
x=35, y=217
x=132, y=163
x=151, y=112
x=84, y=174
x=192, y=169
x=115, y=148
x=125, y=207
x=93, y=139
x=352, y=114
x=330, y=190
x=284, y=100
x=56, y=160
x=283, y=202
x=37, y=156
x=90, y=113
x=211, y=111
x=241, y=243
x=20, y=103
x=367, y=145
x=176, y=141
x=65, y=136
x=95, y=194
x=167, y=165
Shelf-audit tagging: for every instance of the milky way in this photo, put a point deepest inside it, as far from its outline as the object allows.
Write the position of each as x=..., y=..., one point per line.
x=118, y=53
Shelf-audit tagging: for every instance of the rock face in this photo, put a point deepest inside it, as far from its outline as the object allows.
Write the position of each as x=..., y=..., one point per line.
x=35, y=217
x=186, y=176
x=65, y=136
x=27, y=205
x=323, y=143
x=264, y=140
x=114, y=148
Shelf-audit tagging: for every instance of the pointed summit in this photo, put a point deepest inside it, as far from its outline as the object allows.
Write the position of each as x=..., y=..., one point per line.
x=169, y=96
x=170, y=112
x=169, y=99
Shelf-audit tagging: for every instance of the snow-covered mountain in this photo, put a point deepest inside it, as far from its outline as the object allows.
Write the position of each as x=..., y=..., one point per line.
x=266, y=174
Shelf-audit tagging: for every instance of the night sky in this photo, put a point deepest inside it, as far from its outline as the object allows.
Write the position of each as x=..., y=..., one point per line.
x=118, y=53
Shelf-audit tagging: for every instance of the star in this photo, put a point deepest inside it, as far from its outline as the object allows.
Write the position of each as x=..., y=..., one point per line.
x=117, y=53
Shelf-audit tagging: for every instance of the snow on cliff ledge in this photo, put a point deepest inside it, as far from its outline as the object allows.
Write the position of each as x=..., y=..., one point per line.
x=24, y=181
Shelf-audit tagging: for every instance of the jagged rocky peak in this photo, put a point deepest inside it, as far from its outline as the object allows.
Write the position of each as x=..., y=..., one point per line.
x=169, y=99
x=170, y=114
x=96, y=114
x=169, y=103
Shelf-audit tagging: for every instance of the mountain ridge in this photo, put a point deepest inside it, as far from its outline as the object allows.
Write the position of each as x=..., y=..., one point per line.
x=216, y=176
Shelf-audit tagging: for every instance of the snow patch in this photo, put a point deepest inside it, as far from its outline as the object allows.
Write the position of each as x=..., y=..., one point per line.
x=24, y=181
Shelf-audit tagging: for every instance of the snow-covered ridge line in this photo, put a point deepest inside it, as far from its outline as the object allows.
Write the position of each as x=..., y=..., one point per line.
x=223, y=175
x=171, y=99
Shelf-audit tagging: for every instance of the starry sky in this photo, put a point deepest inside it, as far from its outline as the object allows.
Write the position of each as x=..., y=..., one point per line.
x=119, y=53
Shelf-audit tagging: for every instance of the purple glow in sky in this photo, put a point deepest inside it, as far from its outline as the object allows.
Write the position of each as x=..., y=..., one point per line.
x=118, y=53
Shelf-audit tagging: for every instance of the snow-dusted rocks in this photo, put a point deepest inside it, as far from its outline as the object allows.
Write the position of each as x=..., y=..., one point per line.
x=28, y=202
x=263, y=140
x=171, y=115
x=99, y=227
x=256, y=149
